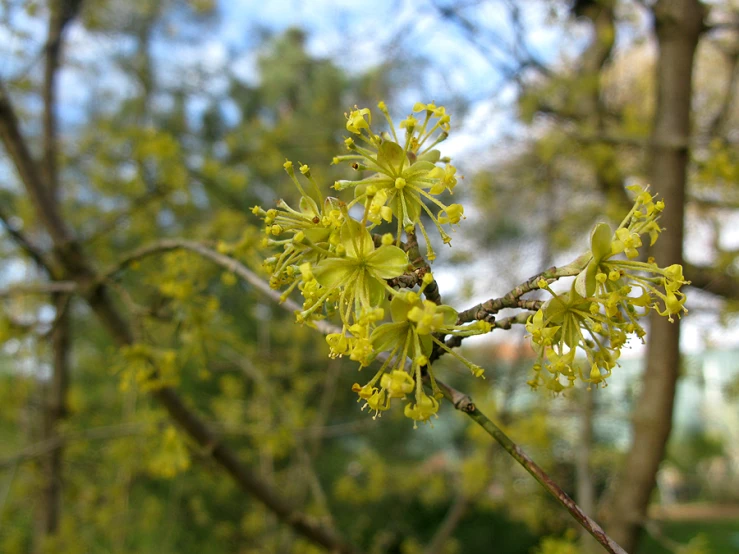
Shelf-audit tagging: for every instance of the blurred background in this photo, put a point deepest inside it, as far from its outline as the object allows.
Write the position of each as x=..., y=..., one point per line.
x=152, y=120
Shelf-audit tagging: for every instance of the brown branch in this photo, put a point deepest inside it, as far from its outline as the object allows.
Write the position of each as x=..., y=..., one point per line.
x=222, y=260
x=248, y=481
x=19, y=153
x=25, y=244
x=46, y=446
x=712, y=280
x=505, y=323
x=122, y=430
x=431, y=292
x=458, y=399
x=486, y=310
x=323, y=326
x=60, y=14
x=54, y=412
x=53, y=287
x=463, y=403
x=720, y=204
x=635, y=142
x=720, y=120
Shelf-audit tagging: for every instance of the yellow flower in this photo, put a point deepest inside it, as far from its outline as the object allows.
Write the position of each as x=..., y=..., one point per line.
x=397, y=383
x=361, y=273
x=425, y=407
x=356, y=121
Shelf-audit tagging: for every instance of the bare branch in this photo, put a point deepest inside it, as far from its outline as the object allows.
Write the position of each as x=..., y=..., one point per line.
x=17, y=149
x=122, y=430
x=61, y=13
x=53, y=287
x=460, y=400
x=25, y=244
x=222, y=260
x=718, y=124
x=431, y=292
x=712, y=280
x=486, y=310
x=44, y=447
x=505, y=323
x=463, y=403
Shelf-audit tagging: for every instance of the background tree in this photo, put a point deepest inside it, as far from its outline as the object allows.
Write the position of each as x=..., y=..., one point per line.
x=600, y=137
x=110, y=201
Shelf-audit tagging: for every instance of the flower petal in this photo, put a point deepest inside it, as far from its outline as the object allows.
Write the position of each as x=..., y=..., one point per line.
x=600, y=241
x=388, y=335
x=450, y=314
x=331, y=272
x=309, y=207
x=387, y=262
x=317, y=234
x=399, y=308
x=585, y=282
x=355, y=238
x=375, y=291
x=430, y=156
x=391, y=155
x=419, y=168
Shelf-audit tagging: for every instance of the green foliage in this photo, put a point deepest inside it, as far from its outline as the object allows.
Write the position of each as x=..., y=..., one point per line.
x=553, y=545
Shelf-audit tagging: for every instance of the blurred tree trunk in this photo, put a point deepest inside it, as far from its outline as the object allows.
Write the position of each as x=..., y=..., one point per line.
x=55, y=394
x=585, y=486
x=678, y=26
x=54, y=411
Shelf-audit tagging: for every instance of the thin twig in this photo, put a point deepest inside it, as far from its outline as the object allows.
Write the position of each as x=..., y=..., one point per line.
x=52, y=287
x=459, y=400
x=486, y=310
x=25, y=244
x=42, y=448
x=463, y=403
x=505, y=323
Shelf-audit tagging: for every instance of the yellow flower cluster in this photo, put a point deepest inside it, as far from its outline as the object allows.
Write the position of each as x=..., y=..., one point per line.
x=339, y=266
x=342, y=268
x=605, y=302
x=405, y=179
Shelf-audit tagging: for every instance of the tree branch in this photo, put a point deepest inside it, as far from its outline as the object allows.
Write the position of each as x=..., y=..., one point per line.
x=25, y=244
x=463, y=403
x=53, y=287
x=26, y=166
x=458, y=399
x=712, y=280
x=44, y=447
x=486, y=310
x=61, y=13
x=504, y=323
